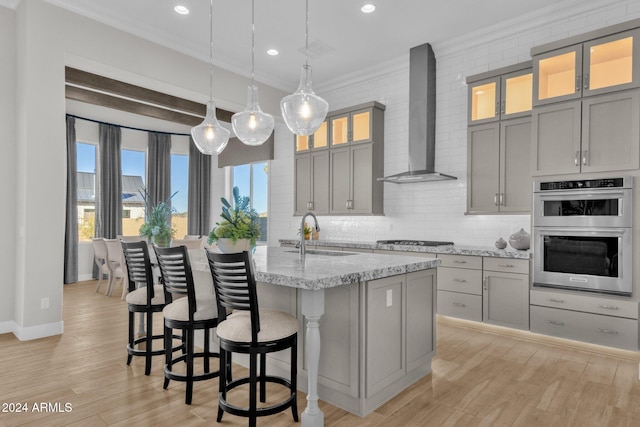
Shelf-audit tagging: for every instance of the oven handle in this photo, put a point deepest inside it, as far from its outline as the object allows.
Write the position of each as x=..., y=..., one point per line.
x=571, y=231
x=599, y=194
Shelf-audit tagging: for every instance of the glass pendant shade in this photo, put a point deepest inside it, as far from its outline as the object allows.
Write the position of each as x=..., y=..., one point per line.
x=252, y=126
x=304, y=111
x=209, y=136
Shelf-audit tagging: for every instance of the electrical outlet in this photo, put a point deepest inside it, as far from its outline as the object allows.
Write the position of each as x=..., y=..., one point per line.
x=389, y=297
x=44, y=303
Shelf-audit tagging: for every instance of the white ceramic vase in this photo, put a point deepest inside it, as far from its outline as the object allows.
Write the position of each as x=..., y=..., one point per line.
x=228, y=246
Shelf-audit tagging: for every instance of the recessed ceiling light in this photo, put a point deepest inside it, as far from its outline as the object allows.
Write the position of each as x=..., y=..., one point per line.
x=368, y=8
x=182, y=10
x=272, y=52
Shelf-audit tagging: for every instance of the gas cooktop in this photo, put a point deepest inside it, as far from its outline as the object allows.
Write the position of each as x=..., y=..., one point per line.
x=414, y=242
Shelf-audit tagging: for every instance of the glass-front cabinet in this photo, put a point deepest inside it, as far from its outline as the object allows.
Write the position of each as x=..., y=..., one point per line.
x=500, y=97
x=317, y=141
x=351, y=127
x=596, y=66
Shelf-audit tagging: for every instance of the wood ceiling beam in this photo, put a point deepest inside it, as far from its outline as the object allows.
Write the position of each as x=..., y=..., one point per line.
x=94, y=89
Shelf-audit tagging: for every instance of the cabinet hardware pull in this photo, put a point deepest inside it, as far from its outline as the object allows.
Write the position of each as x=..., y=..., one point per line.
x=460, y=280
x=484, y=284
x=609, y=307
x=459, y=262
x=555, y=322
x=497, y=108
x=310, y=205
x=584, y=157
x=576, y=159
x=506, y=265
x=501, y=199
x=561, y=301
x=578, y=84
x=607, y=331
x=586, y=81
x=495, y=199
x=502, y=107
x=459, y=304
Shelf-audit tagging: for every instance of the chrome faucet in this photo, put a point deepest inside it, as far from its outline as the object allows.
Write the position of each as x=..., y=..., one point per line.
x=317, y=228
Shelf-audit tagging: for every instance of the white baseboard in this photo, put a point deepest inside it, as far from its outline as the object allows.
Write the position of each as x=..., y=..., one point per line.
x=40, y=331
x=7, y=326
x=85, y=277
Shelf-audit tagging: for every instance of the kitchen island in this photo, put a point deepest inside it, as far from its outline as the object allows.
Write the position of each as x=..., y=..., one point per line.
x=374, y=315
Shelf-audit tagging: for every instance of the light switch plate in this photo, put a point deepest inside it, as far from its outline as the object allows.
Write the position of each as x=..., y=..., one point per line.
x=389, y=297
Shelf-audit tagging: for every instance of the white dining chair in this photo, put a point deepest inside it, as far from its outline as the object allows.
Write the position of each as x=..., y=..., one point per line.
x=100, y=257
x=115, y=264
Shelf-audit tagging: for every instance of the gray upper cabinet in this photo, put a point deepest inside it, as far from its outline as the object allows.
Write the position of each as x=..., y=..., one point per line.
x=312, y=182
x=585, y=65
x=498, y=149
x=595, y=134
x=342, y=179
x=500, y=94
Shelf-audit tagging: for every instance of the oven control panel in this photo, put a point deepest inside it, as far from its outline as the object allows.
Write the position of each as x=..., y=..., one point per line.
x=583, y=183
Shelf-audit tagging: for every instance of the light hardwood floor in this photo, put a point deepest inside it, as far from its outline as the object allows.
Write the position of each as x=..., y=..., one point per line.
x=481, y=376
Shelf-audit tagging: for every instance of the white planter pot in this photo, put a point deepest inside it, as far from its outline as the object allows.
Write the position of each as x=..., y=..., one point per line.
x=227, y=246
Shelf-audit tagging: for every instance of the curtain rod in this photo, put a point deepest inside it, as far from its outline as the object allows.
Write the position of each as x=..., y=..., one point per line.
x=126, y=127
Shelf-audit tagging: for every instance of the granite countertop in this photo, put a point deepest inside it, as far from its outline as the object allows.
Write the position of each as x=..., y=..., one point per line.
x=283, y=266
x=447, y=249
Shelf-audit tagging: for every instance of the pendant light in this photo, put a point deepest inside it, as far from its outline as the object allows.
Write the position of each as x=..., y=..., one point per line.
x=304, y=111
x=209, y=136
x=252, y=126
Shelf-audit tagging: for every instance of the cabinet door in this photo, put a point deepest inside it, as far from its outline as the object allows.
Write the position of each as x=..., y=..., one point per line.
x=557, y=75
x=611, y=63
x=611, y=132
x=339, y=130
x=321, y=136
x=302, y=143
x=302, y=194
x=484, y=101
x=339, y=180
x=515, y=165
x=483, y=168
x=555, y=137
x=361, y=126
x=516, y=93
x=320, y=182
x=505, y=299
x=361, y=179
x=385, y=333
x=420, y=314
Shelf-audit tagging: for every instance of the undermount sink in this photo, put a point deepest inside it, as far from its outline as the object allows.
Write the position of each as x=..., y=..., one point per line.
x=328, y=253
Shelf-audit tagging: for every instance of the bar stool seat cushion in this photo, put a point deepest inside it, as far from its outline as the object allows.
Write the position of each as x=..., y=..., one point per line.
x=139, y=296
x=179, y=309
x=274, y=325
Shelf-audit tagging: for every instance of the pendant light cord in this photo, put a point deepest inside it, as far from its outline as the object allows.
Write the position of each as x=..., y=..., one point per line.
x=211, y=52
x=306, y=36
x=253, y=38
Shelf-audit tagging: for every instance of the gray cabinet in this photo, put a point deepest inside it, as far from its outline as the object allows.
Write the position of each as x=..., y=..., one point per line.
x=505, y=295
x=460, y=286
x=596, y=134
x=353, y=185
x=498, y=163
x=312, y=182
x=342, y=179
x=499, y=141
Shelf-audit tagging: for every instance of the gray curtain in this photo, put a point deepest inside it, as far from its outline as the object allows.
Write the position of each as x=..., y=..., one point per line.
x=108, y=183
x=71, y=225
x=159, y=172
x=199, y=199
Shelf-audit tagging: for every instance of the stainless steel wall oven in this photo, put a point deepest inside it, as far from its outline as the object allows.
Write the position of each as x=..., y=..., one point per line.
x=582, y=234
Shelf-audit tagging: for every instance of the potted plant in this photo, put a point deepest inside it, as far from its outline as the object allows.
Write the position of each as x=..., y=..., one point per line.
x=239, y=228
x=157, y=226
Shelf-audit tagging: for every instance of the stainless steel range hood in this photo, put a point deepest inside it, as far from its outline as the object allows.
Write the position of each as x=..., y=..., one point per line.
x=422, y=119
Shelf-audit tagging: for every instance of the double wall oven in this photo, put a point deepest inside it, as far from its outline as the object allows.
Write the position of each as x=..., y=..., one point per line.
x=582, y=234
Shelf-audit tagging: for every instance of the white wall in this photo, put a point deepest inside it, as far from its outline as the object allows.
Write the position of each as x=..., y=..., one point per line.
x=7, y=164
x=436, y=210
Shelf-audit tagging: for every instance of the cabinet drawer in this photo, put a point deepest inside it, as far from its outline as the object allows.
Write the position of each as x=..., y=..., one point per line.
x=506, y=265
x=587, y=303
x=460, y=261
x=460, y=280
x=464, y=306
x=587, y=327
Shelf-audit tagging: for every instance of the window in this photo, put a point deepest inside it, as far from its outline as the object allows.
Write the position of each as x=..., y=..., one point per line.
x=179, y=186
x=133, y=164
x=86, y=164
x=253, y=180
